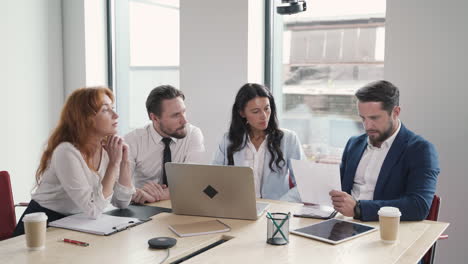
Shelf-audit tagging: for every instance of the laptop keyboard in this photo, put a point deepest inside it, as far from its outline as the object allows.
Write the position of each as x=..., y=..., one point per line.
x=261, y=207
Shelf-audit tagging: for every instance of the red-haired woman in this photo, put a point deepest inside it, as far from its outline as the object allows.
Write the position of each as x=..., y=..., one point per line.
x=85, y=165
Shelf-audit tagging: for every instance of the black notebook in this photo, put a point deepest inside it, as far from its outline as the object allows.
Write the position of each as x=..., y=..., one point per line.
x=139, y=211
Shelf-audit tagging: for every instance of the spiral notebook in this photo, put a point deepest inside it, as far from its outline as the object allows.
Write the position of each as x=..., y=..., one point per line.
x=105, y=225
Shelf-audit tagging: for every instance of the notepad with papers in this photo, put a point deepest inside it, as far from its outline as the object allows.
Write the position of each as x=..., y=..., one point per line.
x=199, y=228
x=105, y=225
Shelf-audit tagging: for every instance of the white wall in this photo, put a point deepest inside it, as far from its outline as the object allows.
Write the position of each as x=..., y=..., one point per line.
x=74, y=53
x=214, y=60
x=426, y=56
x=32, y=94
x=84, y=43
x=35, y=70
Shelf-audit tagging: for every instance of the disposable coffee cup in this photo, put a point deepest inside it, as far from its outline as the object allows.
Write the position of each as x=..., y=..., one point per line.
x=389, y=220
x=35, y=228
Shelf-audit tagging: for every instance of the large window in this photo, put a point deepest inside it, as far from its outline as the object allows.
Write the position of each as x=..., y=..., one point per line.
x=145, y=37
x=320, y=58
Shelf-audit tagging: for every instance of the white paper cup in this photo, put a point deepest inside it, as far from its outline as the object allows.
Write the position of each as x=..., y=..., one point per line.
x=389, y=220
x=35, y=225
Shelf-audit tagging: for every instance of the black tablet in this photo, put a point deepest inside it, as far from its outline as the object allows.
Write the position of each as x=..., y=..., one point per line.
x=334, y=231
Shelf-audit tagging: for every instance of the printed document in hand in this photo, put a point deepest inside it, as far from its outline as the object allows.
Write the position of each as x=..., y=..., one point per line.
x=315, y=180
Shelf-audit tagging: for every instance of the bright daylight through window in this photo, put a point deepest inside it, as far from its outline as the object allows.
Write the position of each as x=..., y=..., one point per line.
x=328, y=52
x=144, y=59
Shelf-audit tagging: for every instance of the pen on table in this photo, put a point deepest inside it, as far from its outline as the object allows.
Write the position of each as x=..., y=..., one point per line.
x=75, y=242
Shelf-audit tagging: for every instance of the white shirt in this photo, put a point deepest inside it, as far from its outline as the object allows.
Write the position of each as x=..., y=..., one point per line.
x=369, y=167
x=69, y=186
x=146, y=152
x=255, y=160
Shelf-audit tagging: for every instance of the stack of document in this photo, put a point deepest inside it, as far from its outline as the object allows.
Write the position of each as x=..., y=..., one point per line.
x=315, y=180
x=316, y=211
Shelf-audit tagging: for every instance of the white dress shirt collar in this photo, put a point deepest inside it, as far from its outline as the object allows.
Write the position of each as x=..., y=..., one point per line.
x=388, y=142
x=157, y=137
x=147, y=148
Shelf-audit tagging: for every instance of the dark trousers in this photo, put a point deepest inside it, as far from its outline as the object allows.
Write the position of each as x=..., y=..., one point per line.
x=34, y=207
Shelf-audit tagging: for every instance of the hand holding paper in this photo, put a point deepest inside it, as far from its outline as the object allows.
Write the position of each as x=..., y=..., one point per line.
x=316, y=180
x=343, y=202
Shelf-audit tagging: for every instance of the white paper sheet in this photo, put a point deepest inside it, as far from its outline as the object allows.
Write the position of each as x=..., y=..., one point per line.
x=315, y=180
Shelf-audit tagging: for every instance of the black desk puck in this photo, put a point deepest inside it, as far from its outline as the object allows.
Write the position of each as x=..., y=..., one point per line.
x=162, y=242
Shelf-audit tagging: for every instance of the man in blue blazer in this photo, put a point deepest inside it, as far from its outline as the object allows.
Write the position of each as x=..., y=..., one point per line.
x=388, y=165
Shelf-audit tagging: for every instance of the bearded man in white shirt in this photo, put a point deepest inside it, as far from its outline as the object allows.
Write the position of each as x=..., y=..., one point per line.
x=168, y=138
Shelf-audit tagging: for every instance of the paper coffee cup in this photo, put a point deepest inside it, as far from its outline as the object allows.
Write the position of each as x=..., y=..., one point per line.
x=35, y=228
x=389, y=220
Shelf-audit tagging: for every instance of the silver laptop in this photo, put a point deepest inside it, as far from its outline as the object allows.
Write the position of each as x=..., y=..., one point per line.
x=216, y=191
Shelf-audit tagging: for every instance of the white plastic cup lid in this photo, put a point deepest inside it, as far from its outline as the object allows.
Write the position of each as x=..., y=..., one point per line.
x=389, y=211
x=35, y=217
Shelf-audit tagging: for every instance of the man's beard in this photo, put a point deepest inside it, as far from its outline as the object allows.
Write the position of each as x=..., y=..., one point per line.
x=179, y=133
x=382, y=136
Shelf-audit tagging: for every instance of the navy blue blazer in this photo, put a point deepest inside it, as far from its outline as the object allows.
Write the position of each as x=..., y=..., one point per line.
x=407, y=179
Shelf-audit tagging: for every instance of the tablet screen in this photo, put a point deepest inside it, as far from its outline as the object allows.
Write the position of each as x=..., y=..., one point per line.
x=334, y=230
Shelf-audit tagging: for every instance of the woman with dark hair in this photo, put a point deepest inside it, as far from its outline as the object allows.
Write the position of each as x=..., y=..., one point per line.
x=85, y=165
x=255, y=140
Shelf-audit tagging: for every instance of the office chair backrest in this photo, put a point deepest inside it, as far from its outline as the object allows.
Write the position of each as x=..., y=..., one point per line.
x=7, y=214
x=291, y=183
x=434, y=210
x=433, y=216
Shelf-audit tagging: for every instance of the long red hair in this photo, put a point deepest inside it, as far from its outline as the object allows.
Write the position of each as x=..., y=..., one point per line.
x=76, y=124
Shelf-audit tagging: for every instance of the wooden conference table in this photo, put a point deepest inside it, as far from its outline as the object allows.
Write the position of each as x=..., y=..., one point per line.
x=246, y=244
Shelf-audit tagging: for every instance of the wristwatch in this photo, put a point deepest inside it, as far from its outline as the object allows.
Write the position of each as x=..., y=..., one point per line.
x=357, y=210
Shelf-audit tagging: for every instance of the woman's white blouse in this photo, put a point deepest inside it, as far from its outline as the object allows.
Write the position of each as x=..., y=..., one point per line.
x=69, y=186
x=255, y=159
x=274, y=183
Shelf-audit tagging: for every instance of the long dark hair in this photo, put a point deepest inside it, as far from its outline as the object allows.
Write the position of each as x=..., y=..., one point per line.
x=239, y=129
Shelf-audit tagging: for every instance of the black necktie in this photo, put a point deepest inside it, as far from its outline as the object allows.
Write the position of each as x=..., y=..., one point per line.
x=166, y=157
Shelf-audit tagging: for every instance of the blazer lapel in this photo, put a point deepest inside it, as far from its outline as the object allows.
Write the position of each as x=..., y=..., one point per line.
x=353, y=161
x=391, y=159
x=239, y=158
